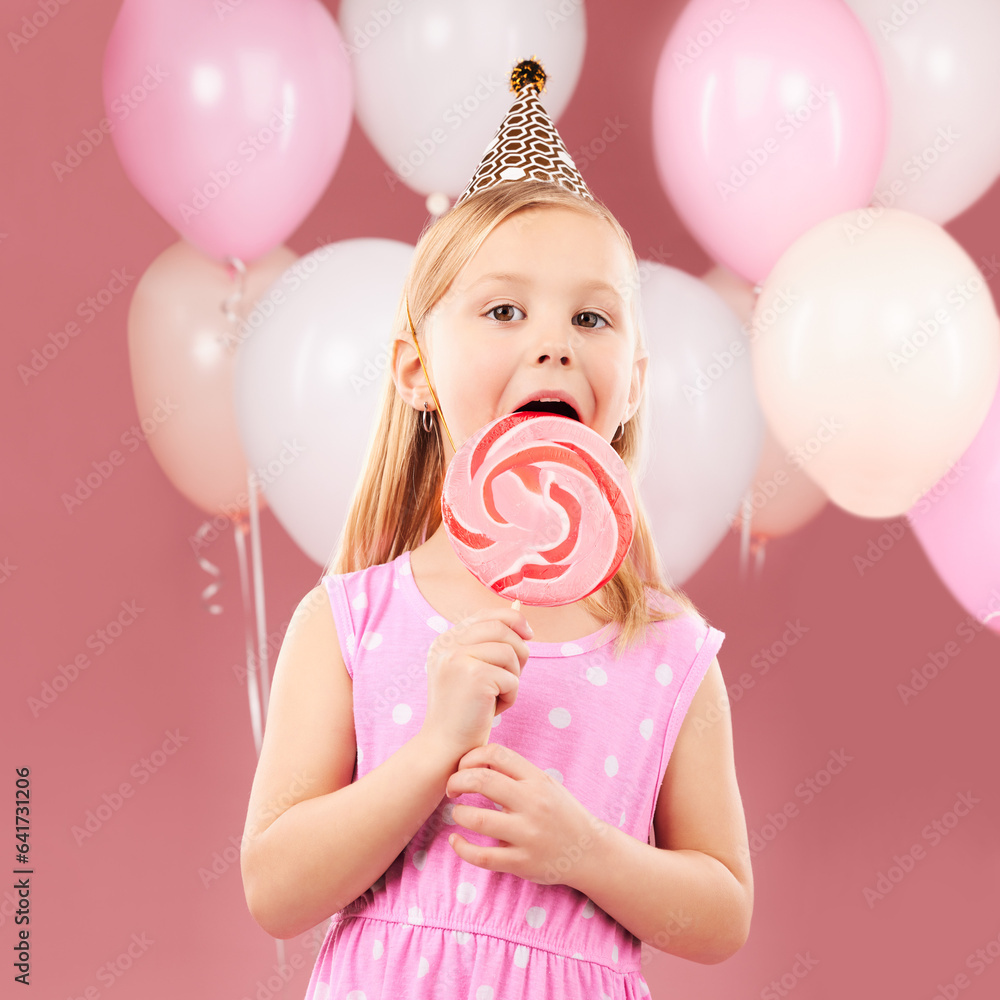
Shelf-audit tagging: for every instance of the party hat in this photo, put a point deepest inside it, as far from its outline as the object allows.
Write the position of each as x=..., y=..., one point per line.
x=527, y=144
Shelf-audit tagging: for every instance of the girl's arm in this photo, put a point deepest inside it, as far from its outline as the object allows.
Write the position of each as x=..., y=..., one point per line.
x=692, y=894
x=314, y=841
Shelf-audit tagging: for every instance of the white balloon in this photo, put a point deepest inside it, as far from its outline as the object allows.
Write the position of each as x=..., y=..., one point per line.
x=943, y=74
x=706, y=426
x=307, y=381
x=432, y=78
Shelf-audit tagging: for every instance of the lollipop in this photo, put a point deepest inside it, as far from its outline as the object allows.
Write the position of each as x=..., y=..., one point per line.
x=539, y=508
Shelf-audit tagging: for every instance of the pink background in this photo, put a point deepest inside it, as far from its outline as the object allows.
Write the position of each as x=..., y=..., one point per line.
x=175, y=668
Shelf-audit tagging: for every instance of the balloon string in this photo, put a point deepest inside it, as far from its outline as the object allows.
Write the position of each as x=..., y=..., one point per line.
x=237, y=272
x=437, y=402
x=253, y=681
x=258, y=583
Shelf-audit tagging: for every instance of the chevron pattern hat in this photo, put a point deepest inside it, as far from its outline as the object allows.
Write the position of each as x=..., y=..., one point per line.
x=527, y=144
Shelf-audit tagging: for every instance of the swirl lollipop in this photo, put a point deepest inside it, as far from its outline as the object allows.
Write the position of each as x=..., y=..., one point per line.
x=539, y=508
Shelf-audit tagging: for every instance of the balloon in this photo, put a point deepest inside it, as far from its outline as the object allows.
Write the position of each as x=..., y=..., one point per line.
x=943, y=76
x=782, y=497
x=432, y=78
x=876, y=354
x=706, y=427
x=539, y=508
x=182, y=355
x=956, y=523
x=308, y=377
x=229, y=126
x=767, y=118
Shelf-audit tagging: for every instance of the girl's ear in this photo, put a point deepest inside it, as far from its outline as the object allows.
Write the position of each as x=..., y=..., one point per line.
x=407, y=372
x=638, y=383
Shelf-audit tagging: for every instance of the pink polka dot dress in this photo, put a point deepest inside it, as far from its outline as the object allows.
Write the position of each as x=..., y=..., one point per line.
x=435, y=926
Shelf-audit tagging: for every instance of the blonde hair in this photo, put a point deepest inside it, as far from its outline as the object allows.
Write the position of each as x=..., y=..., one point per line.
x=397, y=500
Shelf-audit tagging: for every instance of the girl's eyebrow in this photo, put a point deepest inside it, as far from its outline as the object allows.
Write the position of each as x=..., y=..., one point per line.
x=525, y=279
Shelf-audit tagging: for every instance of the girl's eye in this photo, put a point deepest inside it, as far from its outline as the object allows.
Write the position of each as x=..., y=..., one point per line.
x=592, y=325
x=503, y=305
x=595, y=316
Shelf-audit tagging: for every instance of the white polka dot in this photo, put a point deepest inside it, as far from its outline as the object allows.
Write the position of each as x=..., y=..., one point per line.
x=597, y=676
x=419, y=860
x=423, y=967
x=437, y=623
x=646, y=728
x=576, y=954
x=535, y=916
x=395, y=583
x=512, y=173
x=322, y=991
x=621, y=822
x=570, y=649
x=611, y=766
x=357, y=995
x=614, y=954
x=664, y=674
x=588, y=909
x=699, y=642
x=401, y=714
x=446, y=813
x=496, y=721
x=370, y=640
x=559, y=717
x=462, y=937
x=466, y=892
x=361, y=755
x=377, y=950
x=521, y=956
x=554, y=774
x=643, y=988
x=350, y=640
x=404, y=569
x=361, y=601
x=484, y=993
x=415, y=915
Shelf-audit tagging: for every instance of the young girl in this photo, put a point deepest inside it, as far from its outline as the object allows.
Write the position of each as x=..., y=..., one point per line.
x=469, y=838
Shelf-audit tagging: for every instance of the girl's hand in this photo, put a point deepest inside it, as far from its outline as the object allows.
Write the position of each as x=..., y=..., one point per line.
x=472, y=676
x=545, y=834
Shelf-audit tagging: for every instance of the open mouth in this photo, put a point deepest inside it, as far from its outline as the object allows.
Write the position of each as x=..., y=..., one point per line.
x=554, y=406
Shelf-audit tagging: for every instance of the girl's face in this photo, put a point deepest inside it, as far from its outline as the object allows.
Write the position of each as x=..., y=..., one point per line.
x=542, y=308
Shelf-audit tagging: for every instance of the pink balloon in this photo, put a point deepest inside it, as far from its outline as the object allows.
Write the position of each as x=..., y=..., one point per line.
x=182, y=354
x=768, y=117
x=229, y=121
x=957, y=524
